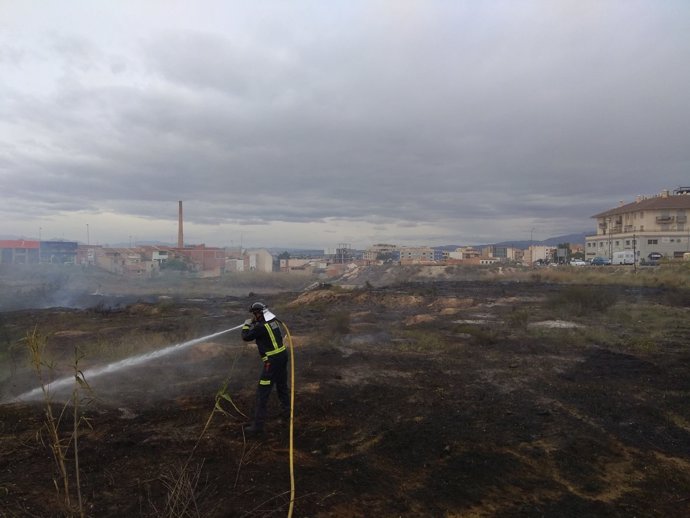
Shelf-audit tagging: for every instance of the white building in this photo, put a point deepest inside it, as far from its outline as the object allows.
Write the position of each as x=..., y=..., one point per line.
x=649, y=225
x=259, y=261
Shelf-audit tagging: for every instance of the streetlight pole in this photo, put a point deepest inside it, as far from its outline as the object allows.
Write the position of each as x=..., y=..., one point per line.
x=610, y=243
x=531, y=246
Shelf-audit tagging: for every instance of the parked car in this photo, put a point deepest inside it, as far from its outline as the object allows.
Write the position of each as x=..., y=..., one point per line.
x=600, y=261
x=652, y=259
x=577, y=262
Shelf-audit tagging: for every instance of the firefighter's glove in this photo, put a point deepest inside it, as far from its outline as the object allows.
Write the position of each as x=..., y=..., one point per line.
x=248, y=322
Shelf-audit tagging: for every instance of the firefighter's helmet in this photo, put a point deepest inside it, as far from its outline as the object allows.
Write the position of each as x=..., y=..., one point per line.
x=257, y=307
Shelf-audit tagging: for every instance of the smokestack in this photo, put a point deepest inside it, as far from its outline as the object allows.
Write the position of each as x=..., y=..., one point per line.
x=180, y=235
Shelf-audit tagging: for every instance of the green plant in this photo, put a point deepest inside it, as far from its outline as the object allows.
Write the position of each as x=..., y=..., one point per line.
x=420, y=339
x=518, y=318
x=480, y=334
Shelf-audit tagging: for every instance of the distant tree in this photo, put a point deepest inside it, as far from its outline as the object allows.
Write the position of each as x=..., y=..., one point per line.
x=175, y=264
x=284, y=255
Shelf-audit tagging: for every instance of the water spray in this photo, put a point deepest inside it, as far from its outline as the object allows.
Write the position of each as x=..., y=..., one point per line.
x=132, y=361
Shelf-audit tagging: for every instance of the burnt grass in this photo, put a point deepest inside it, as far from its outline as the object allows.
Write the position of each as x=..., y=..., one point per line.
x=436, y=399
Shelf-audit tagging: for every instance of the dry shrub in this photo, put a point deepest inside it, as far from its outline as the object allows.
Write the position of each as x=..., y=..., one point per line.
x=584, y=300
x=181, y=484
x=518, y=318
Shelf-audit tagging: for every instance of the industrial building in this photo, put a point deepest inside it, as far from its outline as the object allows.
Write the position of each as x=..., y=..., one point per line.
x=29, y=251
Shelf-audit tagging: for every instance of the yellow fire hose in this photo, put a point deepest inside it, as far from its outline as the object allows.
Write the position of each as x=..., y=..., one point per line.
x=222, y=394
x=292, y=414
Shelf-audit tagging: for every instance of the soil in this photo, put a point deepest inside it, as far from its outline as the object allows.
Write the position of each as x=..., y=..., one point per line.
x=416, y=400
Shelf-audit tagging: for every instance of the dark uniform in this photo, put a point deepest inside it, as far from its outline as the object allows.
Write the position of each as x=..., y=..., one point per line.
x=269, y=341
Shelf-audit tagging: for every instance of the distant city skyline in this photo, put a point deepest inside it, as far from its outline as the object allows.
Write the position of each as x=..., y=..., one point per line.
x=159, y=242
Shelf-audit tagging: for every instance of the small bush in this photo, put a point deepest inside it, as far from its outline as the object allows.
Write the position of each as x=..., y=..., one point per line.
x=481, y=335
x=518, y=318
x=421, y=339
x=585, y=300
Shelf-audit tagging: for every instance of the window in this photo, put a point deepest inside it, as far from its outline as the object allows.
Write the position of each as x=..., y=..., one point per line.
x=652, y=241
x=618, y=243
x=627, y=242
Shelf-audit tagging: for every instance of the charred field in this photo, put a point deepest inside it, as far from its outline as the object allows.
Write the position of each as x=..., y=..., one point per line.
x=444, y=398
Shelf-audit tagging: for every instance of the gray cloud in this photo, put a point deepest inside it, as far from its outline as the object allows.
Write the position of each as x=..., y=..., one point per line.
x=451, y=112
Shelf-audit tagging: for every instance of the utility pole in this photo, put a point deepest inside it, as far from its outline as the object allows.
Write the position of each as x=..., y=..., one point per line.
x=634, y=253
x=610, y=242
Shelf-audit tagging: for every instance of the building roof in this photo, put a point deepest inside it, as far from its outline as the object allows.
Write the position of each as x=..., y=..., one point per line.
x=19, y=243
x=660, y=202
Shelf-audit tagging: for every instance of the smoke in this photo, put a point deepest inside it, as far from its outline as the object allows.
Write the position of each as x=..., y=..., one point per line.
x=127, y=363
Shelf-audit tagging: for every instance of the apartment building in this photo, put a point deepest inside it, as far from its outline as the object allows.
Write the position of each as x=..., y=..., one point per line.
x=381, y=252
x=503, y=253
x=124, y=261
x=649, y=225
x=206, y=261
x=258, y=261
x=540, y=253
x=465, y=253
x=300, y=266
x=416, y=254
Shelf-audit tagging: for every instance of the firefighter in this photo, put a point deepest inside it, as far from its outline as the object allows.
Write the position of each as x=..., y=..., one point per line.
x=264, y=327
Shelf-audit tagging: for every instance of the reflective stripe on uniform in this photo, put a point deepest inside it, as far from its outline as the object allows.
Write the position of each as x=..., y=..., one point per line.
x=276, y=348
x=264, y=382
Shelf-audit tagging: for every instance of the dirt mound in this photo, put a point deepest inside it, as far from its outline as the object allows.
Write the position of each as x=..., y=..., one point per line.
x=311, y=297
x=419, y=319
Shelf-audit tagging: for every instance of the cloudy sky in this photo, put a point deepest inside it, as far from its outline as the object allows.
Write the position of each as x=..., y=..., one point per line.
x=308, y=124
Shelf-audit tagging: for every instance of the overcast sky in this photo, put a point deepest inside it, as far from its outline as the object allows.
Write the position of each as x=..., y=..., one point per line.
x=308, y=124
